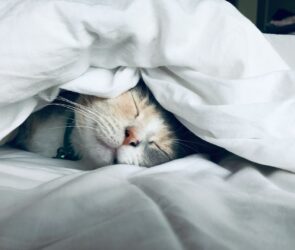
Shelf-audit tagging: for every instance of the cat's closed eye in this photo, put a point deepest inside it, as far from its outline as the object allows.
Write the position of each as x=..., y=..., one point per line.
x=129, y=129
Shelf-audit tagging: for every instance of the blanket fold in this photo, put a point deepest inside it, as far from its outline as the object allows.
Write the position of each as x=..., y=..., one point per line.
x=202, y=59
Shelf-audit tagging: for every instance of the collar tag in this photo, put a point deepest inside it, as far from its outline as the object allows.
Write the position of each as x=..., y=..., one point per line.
x=66, y=154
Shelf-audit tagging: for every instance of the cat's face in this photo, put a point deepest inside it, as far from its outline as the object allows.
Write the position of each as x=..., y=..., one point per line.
x=131, y=128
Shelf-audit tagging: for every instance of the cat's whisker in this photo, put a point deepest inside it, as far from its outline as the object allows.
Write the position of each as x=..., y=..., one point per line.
x=83, y=113
x=106, y=125
x=98, y=117
x=73, y=105
x=99, y=124
x=74, y=127
x=69, y=107
x=80, y=106
x=109, y=128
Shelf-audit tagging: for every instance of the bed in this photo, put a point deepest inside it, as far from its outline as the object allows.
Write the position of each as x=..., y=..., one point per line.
x=224, y=80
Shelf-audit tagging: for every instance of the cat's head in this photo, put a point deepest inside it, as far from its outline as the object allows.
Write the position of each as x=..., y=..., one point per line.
x=131, y=128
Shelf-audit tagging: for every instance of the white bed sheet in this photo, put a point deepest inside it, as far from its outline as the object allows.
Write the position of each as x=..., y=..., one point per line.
x=189, y=203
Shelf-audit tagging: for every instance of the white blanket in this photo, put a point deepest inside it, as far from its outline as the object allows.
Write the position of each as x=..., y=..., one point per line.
x=189, y=203
x=204, y=62
x=201, y=58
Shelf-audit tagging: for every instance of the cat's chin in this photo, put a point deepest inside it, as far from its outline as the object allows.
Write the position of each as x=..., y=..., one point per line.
x=109, y=156
x=100, y=155
x=128, y=155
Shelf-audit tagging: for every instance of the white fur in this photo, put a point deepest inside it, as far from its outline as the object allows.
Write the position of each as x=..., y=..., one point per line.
x=48, y=137
x=99, y=132
x=98, y=147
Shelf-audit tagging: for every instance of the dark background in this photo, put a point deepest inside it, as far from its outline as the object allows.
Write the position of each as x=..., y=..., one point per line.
x=261, y=12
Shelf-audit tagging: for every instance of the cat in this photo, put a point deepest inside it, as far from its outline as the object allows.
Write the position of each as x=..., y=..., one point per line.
x=129, y=129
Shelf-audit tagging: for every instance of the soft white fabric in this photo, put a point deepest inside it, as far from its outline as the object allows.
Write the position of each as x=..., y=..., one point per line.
x=285, y=46
x=189, y=203
x=216, y=72
x=202, y=59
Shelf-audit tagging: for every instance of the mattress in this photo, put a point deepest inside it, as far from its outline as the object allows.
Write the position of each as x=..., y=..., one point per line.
x=232, y=86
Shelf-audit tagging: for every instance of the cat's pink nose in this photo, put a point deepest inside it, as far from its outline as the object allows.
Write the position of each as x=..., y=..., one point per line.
x=131, y=137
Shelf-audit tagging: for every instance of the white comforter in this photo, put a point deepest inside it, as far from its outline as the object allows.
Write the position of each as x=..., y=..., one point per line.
x=186, y=204
x=204, y=62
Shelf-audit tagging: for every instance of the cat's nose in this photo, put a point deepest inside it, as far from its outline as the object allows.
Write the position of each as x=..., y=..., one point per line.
x=131, y=137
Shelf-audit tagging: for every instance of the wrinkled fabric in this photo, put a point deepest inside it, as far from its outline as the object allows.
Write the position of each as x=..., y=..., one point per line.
x=202, y=59
x=204, y=62
x=189, y=203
